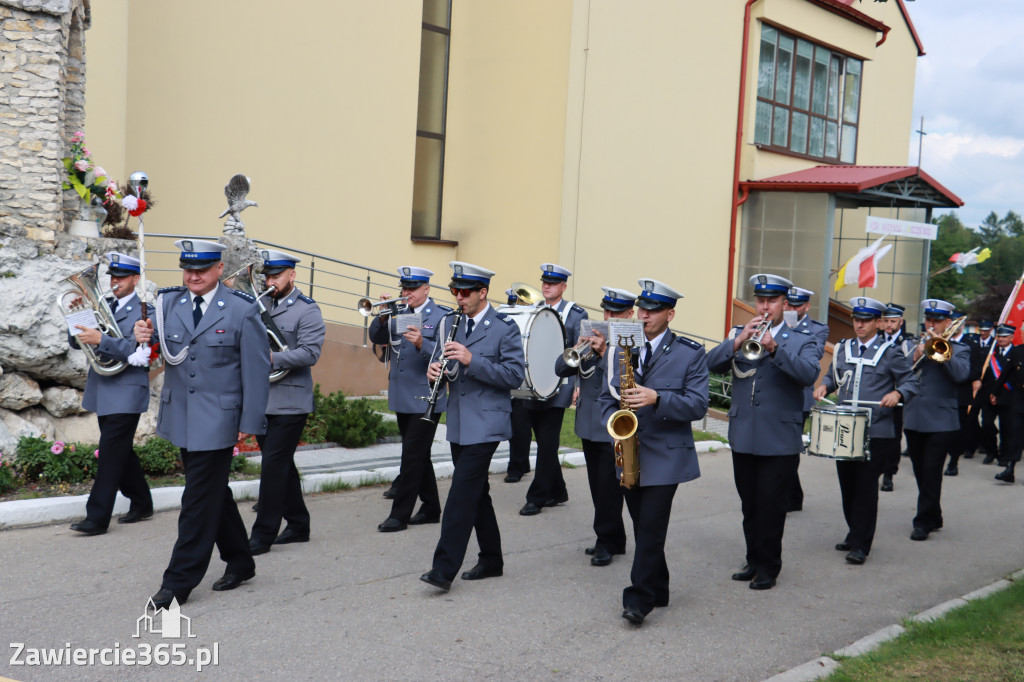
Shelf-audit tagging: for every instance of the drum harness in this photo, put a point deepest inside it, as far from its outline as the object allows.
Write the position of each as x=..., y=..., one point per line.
x=860, y=363
x=564, y=314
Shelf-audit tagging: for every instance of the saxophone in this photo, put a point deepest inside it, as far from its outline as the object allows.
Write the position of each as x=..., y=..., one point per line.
x=623, y=423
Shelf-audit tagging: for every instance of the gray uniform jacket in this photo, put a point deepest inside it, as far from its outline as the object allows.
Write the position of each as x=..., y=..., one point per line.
x=934, y=408
x=819, y=331
x=563, y=398
x=222, y=385
x=766, y=416
x=128, y=391
x=300, y=321
x=592, y=379
x=407, y=381
x=884, y=368
x=480, y=395
x=679, y=373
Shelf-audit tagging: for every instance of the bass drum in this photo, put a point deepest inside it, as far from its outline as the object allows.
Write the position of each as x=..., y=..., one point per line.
x=543, y=338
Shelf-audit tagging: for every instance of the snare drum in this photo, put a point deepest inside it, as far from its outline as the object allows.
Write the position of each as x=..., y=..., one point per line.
x=840, y=432
x=543, y=338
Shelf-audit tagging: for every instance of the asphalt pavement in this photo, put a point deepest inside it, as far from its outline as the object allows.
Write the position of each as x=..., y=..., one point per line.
x=349, y=604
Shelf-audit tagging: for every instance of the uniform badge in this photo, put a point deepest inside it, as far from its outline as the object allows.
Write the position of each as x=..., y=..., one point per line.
x=220, y=331
x=785, y=336
x=487, y=323
x=220, y=304
x=128, y=308
x=291, y=300
x=182, y=300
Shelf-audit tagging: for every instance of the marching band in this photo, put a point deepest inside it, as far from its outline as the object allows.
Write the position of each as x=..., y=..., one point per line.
x=235, y=367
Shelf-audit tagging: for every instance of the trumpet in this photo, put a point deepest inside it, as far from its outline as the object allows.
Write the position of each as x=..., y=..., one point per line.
x=752, y=348
x=937, y=347
x=578, y=354
x=388, y=306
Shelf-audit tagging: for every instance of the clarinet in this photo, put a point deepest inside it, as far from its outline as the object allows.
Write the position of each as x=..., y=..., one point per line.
x=428, y=414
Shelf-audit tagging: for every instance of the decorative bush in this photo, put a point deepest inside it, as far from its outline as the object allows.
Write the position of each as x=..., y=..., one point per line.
x=350, y=423
x=720, y=384
x=37, y=459
x=238, y=461
x=158, y=456
x=8, y=477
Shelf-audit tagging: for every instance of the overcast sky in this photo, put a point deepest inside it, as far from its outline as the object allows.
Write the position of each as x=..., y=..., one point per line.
x=970, y=90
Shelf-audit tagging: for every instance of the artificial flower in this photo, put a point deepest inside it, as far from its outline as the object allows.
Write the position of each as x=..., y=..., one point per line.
x=82, y=165
x=96, y=453
x=130, y=203
x=139, y=209
x=235, y=453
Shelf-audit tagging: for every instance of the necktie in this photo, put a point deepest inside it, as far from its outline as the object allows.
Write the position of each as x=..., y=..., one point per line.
x=862, y=349
x=113, y=306
x=648, y=356
x=469, y=327
x=197, y=312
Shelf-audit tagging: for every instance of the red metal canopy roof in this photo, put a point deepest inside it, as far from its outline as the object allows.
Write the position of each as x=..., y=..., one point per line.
x=908, y=184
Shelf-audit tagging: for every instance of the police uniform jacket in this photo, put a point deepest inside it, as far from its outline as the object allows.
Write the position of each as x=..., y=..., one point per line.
x=126, y=392
x=222, y=385
x=479, y=395
x=592, y=378
x=571, y=316
x=679, y=373
x=819, y=331
x=934, y=408
x=766, y=416
x=299, y=319
x=407, y=381
x=884, y=368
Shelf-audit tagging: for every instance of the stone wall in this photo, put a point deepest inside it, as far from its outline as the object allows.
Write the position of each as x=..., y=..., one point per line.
x=42, y=102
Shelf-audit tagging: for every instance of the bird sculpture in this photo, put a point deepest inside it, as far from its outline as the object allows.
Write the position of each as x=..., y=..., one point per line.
x=236, y=191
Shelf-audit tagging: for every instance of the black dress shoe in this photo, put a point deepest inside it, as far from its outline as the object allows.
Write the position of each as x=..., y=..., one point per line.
x=590, y=551
x=87, y=527
x=529, y=509
x=988, y=459
x=513, y=478
x=1006, y=476
x=843, y=547
x=390, y=493
x=391, y=525
x=602, y=557
x=762, y=582
x=288, y=536
x=857, y=556
x=555, y=501
x=230, y=581
x=968, y=455
x=633, y=615
x=134, y=516
x=886, y=483
x=434, y=577
x=951, y=470
x=919, y=534
x=746, y=574
x=256, y=547
x=163, y=599
x=479, y=572
x=421, y=518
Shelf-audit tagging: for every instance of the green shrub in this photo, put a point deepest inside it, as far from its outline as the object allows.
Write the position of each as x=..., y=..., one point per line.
x=719, y=385
x=158, y=456
x=56, y=462
x=350, y=423
x=239, y=462
x=8, y=477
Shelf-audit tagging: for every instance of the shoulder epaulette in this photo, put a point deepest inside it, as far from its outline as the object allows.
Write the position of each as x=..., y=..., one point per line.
x=306, y=299
x=689, y=342
x=577, y=309
x=505, y=318
x=242, y=294
x=170, y=290
x=443, y=307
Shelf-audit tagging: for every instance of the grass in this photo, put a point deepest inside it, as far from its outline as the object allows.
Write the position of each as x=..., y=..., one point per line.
x=983, y=640
x=337, y=485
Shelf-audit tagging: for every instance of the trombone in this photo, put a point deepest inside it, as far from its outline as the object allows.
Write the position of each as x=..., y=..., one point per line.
x=938, y=347
x=388, y=306
x=752, y=348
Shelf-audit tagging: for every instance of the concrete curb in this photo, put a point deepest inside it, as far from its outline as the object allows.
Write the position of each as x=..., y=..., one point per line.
x=824, y=666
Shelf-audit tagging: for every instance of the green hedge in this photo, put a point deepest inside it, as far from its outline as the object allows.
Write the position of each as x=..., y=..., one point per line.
x=350, y=423
x=158, y=456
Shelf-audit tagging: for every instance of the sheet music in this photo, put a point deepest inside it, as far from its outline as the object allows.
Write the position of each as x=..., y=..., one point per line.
x=624, y=329
x=86, y=318
x=588, y=327
x=405, y=320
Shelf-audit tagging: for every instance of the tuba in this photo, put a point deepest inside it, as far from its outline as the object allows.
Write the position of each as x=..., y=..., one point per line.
x=83, y=295
x=526, y=294
x=622, y=425
x=244, y=281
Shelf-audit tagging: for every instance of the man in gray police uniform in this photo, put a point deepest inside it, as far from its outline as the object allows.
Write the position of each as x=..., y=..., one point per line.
x=931, y=417
x=605, y=490
x=798, y=301
x=117, y=400
x=544, y=417
x=215, y=393
x=483, y=364
x=298, y=320
x=892, y=326
x=410, y=351
x=766, y=424
x=867, y=368
x=671, y=391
